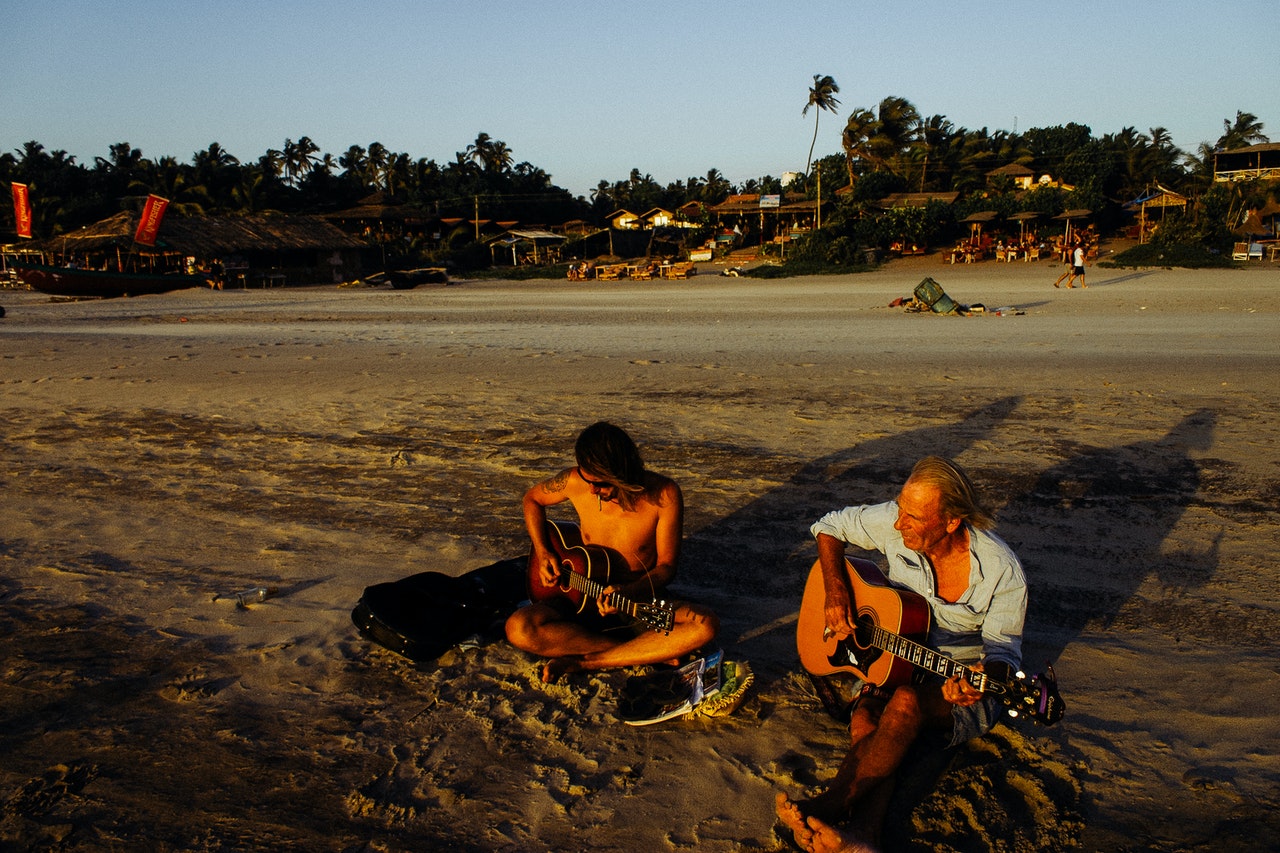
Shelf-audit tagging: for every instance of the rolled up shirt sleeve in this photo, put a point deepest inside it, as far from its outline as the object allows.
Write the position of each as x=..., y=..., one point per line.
x=861, y=526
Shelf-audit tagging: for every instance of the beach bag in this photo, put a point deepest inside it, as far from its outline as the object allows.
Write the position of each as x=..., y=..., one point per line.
x=424, y=615
x=930, y=293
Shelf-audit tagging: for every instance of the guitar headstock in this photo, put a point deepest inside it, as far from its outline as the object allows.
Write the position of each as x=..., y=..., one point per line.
x=658, y=615
x=1035, y=697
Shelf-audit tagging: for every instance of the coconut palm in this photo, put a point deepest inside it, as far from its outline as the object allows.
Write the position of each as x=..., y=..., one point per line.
x=399, y=172
x=271, y=163
x=299, y=157
x=856, y=138
x=932, y=143
x=897, y=127
x=822, y=94
x=354, y=163
x=715, y=188
x=375, y=164
x=213, y=158
x=492, y=155
x=500, y=157
x=1246, y=131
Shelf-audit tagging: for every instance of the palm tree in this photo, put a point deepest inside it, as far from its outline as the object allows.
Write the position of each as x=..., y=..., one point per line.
x=490, y=154
x=897, y=127
x=500, y=156
x=298, y=158
x=399, y=171
x=213, y=158
x=715, y=188
x=933, y=139
x=271, y=163
x=375, y=163
x=1246, y=131
x=354, y=164
x=856, y=137
x=822, y=94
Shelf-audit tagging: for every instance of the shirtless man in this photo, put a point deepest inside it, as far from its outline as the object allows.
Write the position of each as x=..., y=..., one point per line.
x=638, y=514
x=937, y=541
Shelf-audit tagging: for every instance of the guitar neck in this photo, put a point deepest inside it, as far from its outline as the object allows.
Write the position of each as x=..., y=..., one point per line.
x=592, y=589
x=927, y=659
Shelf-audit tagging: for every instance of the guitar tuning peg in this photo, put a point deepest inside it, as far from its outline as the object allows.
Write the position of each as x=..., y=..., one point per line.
x=1013, y=712
x=1020, y=674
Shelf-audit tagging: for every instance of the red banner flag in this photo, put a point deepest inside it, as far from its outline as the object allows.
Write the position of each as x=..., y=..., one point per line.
x=22, y=210
x=149, y=224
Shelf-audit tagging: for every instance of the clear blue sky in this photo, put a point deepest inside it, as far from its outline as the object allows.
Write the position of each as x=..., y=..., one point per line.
x=590, y=90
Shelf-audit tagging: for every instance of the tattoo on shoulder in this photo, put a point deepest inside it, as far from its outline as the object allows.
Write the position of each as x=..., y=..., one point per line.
x=557, y=483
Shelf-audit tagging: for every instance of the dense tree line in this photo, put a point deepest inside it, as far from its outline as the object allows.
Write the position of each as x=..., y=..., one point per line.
x=890, y=147
x=297, y=178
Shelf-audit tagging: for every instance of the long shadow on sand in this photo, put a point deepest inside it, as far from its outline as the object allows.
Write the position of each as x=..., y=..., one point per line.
x=1095, y=529
x=763, y=550
x=1089, y=530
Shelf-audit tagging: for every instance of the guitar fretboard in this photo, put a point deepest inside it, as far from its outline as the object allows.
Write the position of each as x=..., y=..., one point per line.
x=592, y=589
x=926, y=658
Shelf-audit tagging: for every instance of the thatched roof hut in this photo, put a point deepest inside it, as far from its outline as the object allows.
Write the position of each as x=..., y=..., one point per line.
x=302, y=249
x=205, y=236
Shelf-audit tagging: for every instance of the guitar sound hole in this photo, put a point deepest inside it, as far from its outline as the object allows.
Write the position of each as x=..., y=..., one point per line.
x=864, y=631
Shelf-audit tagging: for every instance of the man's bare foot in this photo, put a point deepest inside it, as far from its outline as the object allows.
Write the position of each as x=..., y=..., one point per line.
x=557, y=667
x=825, y=838
x=791, y=815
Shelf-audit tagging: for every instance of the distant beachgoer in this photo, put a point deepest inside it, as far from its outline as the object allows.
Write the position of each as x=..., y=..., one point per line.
x=937, y=540
x=640, y=515
x=1076, y=269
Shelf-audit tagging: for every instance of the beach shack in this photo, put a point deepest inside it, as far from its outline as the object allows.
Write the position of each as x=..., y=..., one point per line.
x=658, y=218
x=243, y=250
x=1021, y=177
x=527, y=246
x=1150, y=202
x=1253, y=163
x=624, y=220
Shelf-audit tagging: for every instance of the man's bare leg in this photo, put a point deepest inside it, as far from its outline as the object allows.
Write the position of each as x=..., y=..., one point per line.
x=693, y=629
x=543, y=631
x=880, y=735
x=572, y=648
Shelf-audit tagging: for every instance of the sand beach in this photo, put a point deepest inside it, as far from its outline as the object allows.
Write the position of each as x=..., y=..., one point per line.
x=164, y=451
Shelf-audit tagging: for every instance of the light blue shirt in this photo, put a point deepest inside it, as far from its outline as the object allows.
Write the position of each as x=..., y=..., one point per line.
x=986, y=622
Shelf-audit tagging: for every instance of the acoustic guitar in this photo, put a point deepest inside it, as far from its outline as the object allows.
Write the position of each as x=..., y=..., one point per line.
x=890, y=627
x=585, y=573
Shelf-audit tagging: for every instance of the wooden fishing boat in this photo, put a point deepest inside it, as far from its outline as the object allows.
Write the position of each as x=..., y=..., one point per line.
x=409, y=279
x=68, y=281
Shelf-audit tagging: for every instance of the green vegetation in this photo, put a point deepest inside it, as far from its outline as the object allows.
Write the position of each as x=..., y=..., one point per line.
x=888, y=148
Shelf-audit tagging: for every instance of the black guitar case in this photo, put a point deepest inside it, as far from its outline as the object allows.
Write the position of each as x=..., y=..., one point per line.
x=424, y=615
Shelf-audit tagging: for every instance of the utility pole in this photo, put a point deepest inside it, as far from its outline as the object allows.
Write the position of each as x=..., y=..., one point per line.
x=477, y=219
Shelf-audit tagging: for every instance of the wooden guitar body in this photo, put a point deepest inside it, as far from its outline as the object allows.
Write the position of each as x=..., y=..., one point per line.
x=586, y=571
x=891, y=627
x=876, y=605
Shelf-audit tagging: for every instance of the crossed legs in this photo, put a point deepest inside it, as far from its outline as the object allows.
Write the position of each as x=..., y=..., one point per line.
x=571, y=646
x=880, y=732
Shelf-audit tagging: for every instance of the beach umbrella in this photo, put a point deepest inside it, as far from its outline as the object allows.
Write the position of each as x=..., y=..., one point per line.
x=1022, y=217
x=977, y=220
x=1079, y=213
